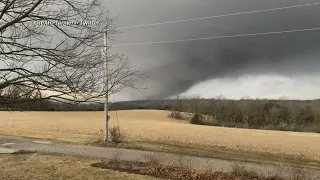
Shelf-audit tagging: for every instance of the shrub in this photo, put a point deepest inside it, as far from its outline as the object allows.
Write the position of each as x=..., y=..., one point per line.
x=197, y=119
x=115, y=134
x=152, y=158
x=176, y=115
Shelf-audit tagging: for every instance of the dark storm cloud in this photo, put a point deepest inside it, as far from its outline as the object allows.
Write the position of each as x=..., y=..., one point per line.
x=182, y=65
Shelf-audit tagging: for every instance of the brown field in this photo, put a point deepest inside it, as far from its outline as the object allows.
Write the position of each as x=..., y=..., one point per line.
x=26, y=167
x=153, y=125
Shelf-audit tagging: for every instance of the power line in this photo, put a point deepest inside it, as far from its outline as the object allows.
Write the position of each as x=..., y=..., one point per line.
x=219, y=37
x=218, y=16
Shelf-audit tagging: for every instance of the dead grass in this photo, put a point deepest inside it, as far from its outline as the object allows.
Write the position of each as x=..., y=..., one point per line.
x=182, y=172
x=152, y=158
x=25, y=167
x=214, y=152
x=154, y=125
x=164, y=172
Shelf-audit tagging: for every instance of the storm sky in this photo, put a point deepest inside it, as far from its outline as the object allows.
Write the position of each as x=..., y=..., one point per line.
x=267, y=66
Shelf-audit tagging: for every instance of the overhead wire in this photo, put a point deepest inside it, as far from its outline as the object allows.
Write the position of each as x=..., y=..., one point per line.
x=219, y=16
x=218, y=37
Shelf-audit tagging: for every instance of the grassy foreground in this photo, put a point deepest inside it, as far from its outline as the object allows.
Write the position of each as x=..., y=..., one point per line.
x=30, y=166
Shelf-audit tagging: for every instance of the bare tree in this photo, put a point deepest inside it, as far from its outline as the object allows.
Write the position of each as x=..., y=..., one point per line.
x=177, y=107
x=245, y=97
x=196, y=108
x=220, y=97
x=51, y=49
x=194, y=102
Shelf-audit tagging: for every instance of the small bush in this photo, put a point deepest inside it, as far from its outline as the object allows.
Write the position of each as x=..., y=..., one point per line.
x=242, y=173
x=115, y=134
x=152, y=158
x=116, y=160
x=176, y=115
x=298, y=171
x=197, y=119
x=239, y=168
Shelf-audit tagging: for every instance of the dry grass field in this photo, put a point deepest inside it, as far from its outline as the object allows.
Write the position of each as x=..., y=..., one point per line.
x=153, y=125
x=26, y=167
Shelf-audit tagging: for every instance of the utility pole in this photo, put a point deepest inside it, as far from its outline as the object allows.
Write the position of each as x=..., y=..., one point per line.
x=106, y=70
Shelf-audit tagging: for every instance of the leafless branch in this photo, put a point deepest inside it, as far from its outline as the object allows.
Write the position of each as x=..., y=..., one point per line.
x=47, y=51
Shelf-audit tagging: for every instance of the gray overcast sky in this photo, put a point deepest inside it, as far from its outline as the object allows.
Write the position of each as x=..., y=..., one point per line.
x=263, y=66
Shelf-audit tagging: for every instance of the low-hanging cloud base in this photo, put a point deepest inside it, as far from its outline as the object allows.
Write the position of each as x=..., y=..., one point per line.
x=281, y=65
